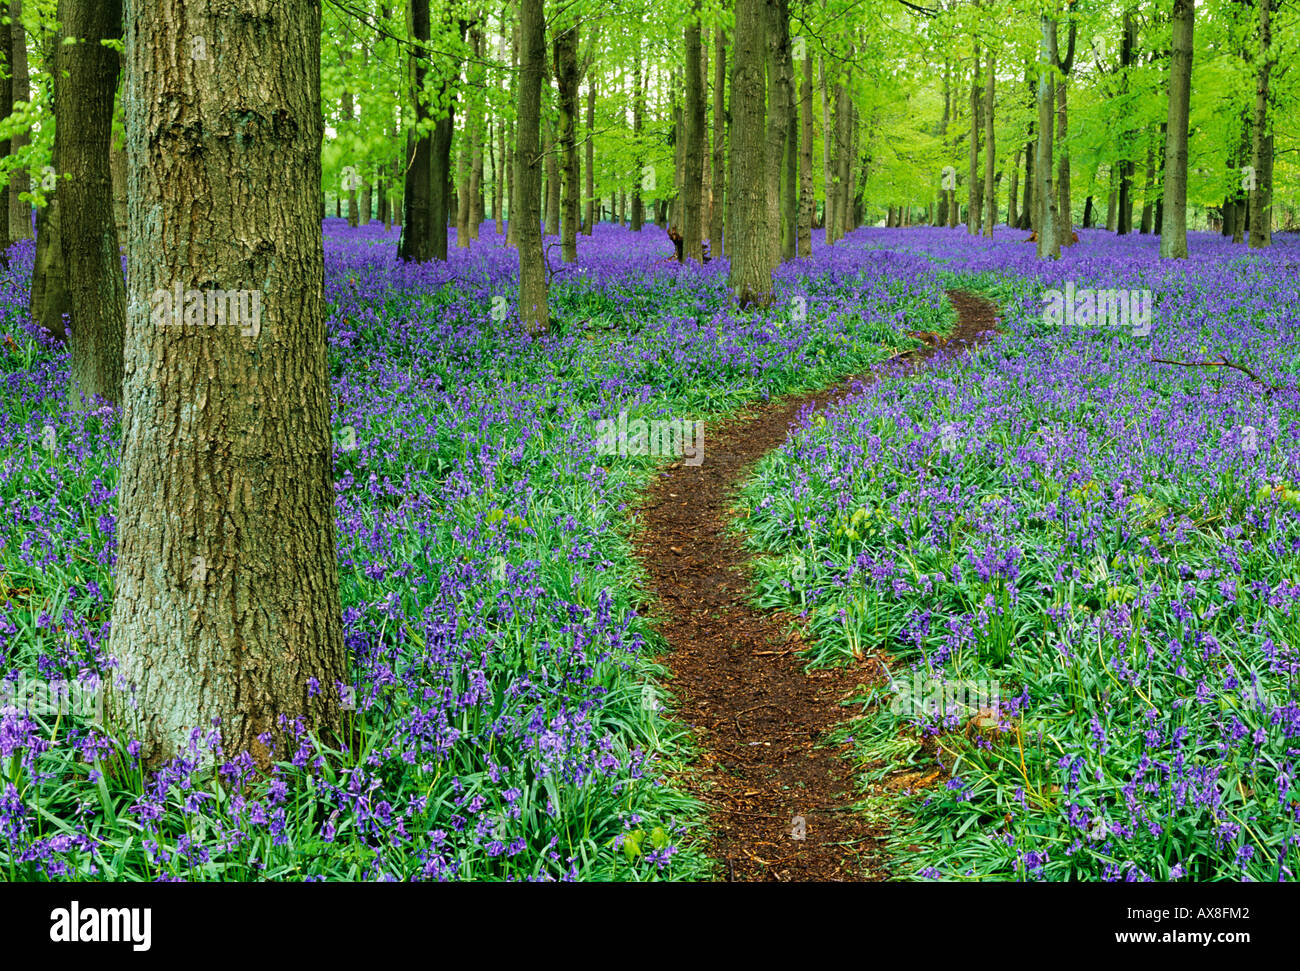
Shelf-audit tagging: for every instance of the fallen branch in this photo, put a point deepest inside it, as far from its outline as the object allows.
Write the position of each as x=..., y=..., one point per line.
x=1221, y=362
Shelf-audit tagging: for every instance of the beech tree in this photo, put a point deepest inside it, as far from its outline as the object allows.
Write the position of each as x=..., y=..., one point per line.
x=226, y=604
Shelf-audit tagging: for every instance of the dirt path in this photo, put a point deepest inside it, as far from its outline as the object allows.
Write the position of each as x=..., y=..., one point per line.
x=737, y=676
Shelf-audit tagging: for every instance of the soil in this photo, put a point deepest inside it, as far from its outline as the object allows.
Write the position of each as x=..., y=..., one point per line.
x=757, y=716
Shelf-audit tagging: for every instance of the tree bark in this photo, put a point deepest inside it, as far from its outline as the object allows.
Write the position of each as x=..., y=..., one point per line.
x=226, y=604
x=637, y=214
x=589, y=190
x=566, y=81
x=693, y=227
x=716, y=242
x=973, y=175
x=990, y=186
x=417, y=241
x=1046, y=196
x=20, y=210
x=534, y=312
x=807, y=201
x=91, y=251
x=1173, y=228
x=1261, y=155
x=751, y=271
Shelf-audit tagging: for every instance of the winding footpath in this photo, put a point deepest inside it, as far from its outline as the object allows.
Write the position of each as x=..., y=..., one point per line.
x=758, y=717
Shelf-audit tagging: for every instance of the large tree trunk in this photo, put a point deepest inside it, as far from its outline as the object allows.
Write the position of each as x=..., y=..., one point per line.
x=1045, y=195
x=1261, y=151
x=91, y=251
x=990, y=186
x=1173, y=228
x=807, y=200
x=693, y=228
x=751, y=271
x=20, y=210
x=534, y=312
x=226, y=605
x=716, y=244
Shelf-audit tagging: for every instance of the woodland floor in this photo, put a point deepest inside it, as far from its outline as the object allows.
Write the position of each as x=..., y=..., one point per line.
x=758, y=717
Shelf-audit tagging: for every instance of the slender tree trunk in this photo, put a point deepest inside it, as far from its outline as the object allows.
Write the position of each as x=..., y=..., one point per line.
x=807, y=201
x=716, y=242
x=829, y=96
x=589, y=215
x=1047, y=199
x=6, y=109
x=1149, y=189
x=552, y=178
x=20, y=210
x=226, y=604
x=976, y=120
x=1173, y=228
x=91, y=251
x=1261, y=155
x=990, y=185
x=1128, y=43
x=693, y=227
x=1013, y=201
x=638, y=123
x=1112, y=201
x=417, y=241
x=534, y=312
x=566, y=81
x=751, y=272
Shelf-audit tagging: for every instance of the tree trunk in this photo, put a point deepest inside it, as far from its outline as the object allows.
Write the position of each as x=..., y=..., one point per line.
x=751, y=272
x=91, y=251
x=1149, y=189
x=716, y=242
x=20, y=210
x=693, y=227
x=807, y=201
x=534, y=312
x=1261, y=154
x=973, y=176
x=418, y=199
x=1173, y=228
x=226, y=604
x=552, y=178
x=990, y=186
x=828, y=153
x=566, y=82
x=1045, y=194
x=637, y=217
x=1112, y=200
x=589, y=190
x=1128, y=42
x=6, y=109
